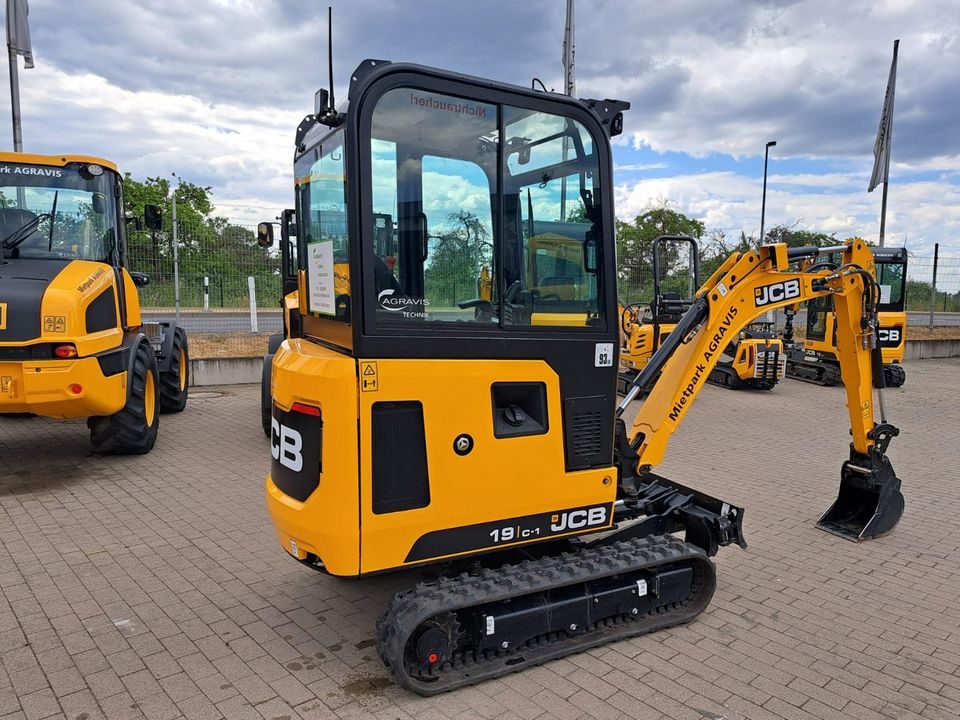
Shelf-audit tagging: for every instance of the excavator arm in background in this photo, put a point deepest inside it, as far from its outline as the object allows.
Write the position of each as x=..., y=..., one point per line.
x=745, y=286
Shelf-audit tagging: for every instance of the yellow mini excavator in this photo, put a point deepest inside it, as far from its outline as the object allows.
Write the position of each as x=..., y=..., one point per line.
x=753, y=359
x=486, y=440
x=72, y=342
x=814, y=359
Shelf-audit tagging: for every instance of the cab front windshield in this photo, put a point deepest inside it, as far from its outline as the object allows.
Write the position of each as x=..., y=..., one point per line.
x=51, y=212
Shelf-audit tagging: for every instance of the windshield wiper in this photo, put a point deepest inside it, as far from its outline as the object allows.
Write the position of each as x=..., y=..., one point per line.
x=53, y=217
x=23, y=232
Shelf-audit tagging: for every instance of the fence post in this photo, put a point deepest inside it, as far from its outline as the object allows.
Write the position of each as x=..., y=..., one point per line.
x=176, y=260
x=933, y=284
x=220, y=278
x=252, y=286
x=206, y=292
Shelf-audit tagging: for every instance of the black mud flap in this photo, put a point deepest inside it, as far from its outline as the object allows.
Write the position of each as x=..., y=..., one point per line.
x=869, y=504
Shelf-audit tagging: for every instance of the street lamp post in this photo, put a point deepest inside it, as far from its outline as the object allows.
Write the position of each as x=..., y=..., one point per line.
x=763, y=202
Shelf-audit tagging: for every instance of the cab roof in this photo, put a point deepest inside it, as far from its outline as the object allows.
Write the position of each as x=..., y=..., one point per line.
x=55, y=160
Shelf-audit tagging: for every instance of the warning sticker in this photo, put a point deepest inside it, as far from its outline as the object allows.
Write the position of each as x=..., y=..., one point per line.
x=368, y=376
x=54, y=324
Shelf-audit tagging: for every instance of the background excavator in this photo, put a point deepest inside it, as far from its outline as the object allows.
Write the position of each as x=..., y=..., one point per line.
x=814, y=359
x=486, y=440
x=753, y=359
x=72, y=342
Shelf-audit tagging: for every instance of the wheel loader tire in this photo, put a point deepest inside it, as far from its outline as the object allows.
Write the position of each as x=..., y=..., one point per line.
x=894, y=376
x=175, y=382
x=266, y=396
x=132, y=430
x=274, y=342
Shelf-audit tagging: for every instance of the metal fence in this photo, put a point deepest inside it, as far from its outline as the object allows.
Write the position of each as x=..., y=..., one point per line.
x=227, y=284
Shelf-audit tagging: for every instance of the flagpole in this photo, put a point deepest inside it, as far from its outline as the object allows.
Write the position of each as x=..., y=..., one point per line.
x=14, y=87
x=889, y=147
x=569, y=88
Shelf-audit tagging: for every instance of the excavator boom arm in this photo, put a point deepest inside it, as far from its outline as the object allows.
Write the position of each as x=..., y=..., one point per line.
x=746, y=286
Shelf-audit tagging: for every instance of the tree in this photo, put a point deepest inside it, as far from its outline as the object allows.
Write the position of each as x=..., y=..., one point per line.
x=457, y=258
x=635, y=250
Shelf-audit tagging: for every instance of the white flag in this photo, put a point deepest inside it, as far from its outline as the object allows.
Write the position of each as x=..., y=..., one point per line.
x=881, y=148
x=18, y=30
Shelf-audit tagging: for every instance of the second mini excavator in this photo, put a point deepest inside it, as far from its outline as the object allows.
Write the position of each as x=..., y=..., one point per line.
x=486, y=440
x=753, y=359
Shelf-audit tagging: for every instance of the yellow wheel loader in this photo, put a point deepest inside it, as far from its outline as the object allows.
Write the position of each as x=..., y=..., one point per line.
x=753, y=359
x=815, y=358
x=72, y=341
x=408, y=433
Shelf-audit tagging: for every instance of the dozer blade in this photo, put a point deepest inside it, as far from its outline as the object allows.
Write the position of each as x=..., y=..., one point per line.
x=869, y=504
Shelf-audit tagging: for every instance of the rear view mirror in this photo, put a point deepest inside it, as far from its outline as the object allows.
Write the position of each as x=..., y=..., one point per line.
x=153, y=217
x=99, y=203
x=265, y=234
x=140, y=279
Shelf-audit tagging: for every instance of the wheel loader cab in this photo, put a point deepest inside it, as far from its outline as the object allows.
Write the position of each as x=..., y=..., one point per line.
x=434, y=181
x=72, y=341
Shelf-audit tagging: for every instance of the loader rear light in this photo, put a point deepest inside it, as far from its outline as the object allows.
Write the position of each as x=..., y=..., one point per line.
x=76, y=388
x=65, y=351
x=305, y=409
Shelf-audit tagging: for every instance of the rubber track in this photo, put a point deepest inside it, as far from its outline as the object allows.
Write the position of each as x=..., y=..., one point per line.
x=816, y=373
x=408, y=609
x=724, y=376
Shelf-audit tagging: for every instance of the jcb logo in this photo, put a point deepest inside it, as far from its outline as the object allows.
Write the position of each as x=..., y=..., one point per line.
x=776, y=292
x=889, y=335
x=286, y=445
x=3, y=316
x=576, y=519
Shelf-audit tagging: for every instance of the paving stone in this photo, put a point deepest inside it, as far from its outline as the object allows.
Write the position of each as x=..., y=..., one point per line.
x=153, y=586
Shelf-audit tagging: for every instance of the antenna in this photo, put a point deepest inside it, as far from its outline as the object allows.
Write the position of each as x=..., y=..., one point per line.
x=324, y=104
x=333, y=105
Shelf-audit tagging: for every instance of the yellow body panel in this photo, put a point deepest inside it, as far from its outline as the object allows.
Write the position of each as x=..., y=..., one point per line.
x=463, y=489
x=43, y=387
x=67, y=297
x=327, y=524
x=744, y=362
x=21, y=158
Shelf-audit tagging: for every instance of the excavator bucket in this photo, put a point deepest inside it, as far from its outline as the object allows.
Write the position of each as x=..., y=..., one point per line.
x=869, y=504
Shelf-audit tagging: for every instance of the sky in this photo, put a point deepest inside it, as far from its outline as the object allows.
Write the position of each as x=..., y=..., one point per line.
x=213, y=90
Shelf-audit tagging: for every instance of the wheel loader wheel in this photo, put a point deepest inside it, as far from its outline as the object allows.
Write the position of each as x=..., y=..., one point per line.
x=175, y=382
x=894, y=376
x=266, y=397
x=132, y=430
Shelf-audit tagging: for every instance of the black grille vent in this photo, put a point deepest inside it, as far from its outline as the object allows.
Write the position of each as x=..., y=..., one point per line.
x=400, y=480
x=587, y=434
x=588, y=431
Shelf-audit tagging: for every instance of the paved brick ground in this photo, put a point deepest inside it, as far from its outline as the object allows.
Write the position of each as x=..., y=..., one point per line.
x=153, y=586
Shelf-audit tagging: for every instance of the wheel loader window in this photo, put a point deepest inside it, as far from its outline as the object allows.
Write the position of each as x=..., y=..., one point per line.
x=57, y=213
x=322, y=213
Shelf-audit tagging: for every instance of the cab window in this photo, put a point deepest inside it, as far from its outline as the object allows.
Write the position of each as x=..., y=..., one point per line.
x=472, y=228
x=322, y=218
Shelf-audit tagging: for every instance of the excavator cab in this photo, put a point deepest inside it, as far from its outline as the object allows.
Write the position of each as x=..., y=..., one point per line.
x=815, y=359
